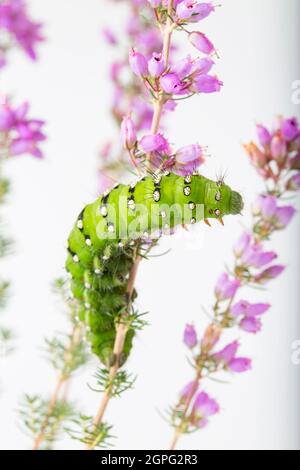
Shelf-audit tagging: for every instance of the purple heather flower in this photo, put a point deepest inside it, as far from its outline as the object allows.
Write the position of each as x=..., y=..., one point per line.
x=270, y=273
x=290, y=129
x=264, y=135
x=7, y=118
x=154, y=143
x=187, y=390
x=207, y=84
x=154, y=3
x=204, y=406
x=242, y=244
x=187, y=159
x=128, y=133
x=104, y=182
x=250, y=324
x=211, y=337
x=190, y=336
x=228, y=353
x=156, y=65
x=171, y=84
x=14, y=19
x=227, y=356
x=256, y=257
x=201, y=42
x=109, y=36
x=283, y=216
x=257, y=309
x=183, y=67
x=226, y=288
x=193, y=11
x=266, y=206
x=138, y=63
x=249, y=313
x=25, y=134
x=278, y=148
x=240, y=364
x=202, y=66
x=293, y=184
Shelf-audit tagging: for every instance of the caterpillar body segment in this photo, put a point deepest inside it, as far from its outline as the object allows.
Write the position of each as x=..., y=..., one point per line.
x=109, y=232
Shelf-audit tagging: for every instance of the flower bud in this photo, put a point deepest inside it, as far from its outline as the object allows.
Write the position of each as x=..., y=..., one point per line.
x=240, y=364
x=263, y=135
x=7, y=118
x=128, y=133
x=201, y=42
x=156, y=65
x=190, y=336
x=289, y=129
x=138, y=63
x=192, y=11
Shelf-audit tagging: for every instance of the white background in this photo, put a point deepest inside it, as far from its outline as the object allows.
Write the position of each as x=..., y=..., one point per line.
x=258, y=44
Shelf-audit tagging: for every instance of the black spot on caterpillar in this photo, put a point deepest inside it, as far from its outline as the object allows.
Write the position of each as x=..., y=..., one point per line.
x=103, y=243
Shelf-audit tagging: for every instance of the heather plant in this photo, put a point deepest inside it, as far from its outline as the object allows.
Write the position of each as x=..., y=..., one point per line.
x=276, y=159
x=103, y=274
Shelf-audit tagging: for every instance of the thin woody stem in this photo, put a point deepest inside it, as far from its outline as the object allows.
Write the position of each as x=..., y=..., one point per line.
x=62, y=380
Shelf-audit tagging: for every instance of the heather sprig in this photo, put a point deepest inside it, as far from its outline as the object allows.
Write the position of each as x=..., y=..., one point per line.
x=169, y=79
x=37, y=418
x=276, y=159
x=160, y=79
x=17, y=29
x=165, y=81
x=129, y=95
x=19, y=134
x=67, y=354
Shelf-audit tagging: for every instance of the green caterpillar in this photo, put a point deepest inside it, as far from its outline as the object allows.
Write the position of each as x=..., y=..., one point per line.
x=107, y=234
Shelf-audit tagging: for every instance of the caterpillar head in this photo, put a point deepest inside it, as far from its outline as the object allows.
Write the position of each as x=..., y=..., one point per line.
x=221, y=200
